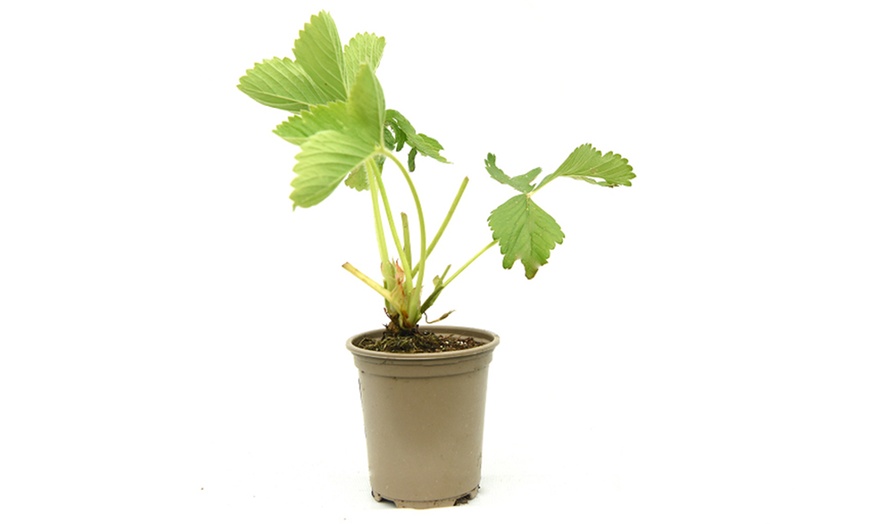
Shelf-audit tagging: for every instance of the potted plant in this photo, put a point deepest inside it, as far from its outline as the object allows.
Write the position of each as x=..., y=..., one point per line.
x=423, y=389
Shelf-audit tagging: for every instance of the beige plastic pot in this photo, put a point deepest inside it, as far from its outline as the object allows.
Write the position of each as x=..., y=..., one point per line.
x=423, y=416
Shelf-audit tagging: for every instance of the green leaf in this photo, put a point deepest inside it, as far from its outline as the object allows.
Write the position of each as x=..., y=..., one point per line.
x=412, y=159
x=283, y=84
x=588, y=164
x=362, y=114
x=317, y=76
x=335, y=140
x=428, y=146
x=521, y=183
x=389, y=139
x=319, y=51
x=324, y=161
x=366, y=105
x=298, y=129
x=425, y=145
x=400, y=139
x=364, y=48
x=357, y=179
x=525, y=232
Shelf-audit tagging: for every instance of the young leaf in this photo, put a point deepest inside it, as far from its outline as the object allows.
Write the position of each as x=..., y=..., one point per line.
x=400, y=138
x=319, y=51
x=412, y=160
x=389, y=139
x=525, y=232
x=283, y=84
x=428, y=146
x=405, y=132
x=522, y=183
x=364, y=48
x=588, y=164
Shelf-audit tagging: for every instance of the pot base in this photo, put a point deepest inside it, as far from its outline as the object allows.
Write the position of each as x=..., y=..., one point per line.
x=426, y=504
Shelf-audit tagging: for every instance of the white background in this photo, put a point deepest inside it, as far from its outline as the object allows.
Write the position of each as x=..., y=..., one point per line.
x=697, y=351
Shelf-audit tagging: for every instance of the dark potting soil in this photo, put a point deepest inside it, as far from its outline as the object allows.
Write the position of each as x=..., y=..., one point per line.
x=420, y=341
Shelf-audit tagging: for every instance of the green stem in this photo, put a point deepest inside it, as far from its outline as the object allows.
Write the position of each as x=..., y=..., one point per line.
x=406, y=264
x=374, y=184
x=446, y=221
x=381, y=290
x=475, y=257
x=441, y=283
x=422, y=264
x=547, y=179
x=406, y=237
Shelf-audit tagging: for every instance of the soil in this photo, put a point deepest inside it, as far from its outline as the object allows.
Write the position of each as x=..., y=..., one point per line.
x=420, y=341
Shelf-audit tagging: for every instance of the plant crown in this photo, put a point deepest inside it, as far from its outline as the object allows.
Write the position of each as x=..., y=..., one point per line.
x=346, y=134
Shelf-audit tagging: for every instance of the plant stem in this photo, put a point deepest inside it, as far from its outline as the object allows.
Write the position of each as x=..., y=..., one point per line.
x=446, y=220
x=371, y=283
x=406, y=237
x=406, y=263
x=374, y=183
x=441, y=283
x=475, y=257
x=415, y=298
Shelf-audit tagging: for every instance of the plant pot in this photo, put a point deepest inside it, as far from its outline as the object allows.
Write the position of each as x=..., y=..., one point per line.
x=423, y=416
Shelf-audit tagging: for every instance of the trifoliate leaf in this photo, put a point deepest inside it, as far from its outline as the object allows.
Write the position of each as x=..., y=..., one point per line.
x=326, y=158
x=588, y=164
x=525, y=232
x=335, y=139
x=283, y=84
x=521, y=183
x=319, y=51
x=405, y=132
x=364, y=48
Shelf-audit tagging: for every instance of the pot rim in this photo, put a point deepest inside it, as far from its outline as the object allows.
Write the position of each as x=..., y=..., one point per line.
x=491, y=341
